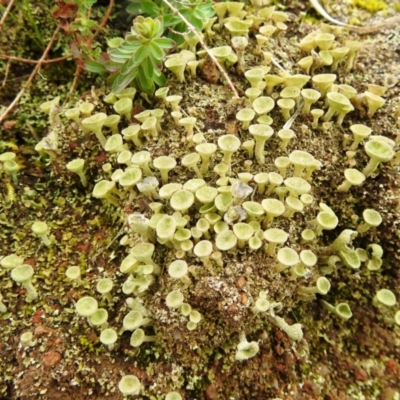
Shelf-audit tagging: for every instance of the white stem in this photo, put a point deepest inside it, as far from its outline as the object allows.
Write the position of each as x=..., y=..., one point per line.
x=194, y=31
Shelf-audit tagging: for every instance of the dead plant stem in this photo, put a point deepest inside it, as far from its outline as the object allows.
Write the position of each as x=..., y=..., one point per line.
x=8, y=9
x=31, y=77
x=199, y=38
x=6, y=74
x=79, y=69
x=27, y=61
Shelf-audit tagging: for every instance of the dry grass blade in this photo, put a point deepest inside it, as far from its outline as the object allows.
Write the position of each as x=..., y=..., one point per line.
x=201, y=41
x=359, y=29
x=8, y=9
x=31, y=77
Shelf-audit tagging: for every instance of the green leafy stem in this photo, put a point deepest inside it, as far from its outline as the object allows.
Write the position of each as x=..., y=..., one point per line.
x=137, y=59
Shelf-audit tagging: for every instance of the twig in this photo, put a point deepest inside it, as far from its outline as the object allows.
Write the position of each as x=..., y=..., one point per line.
x=359, y=29
x=204, y=46
x=290, y=121
x=6, y=73
x=31, y=77
x=104, y=20
x=27, y=61
x=8, y=9
x=78, y=67
x=276, y=63
x=183, y=3
x=77, y=73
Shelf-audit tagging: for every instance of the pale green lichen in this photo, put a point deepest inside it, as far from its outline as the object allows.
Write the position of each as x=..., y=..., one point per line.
x=223, y=296
x=371, y=6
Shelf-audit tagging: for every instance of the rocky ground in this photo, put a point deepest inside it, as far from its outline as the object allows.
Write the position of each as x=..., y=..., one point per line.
x=336, y=359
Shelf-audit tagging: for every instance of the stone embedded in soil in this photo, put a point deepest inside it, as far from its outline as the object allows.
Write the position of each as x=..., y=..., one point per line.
x=37, y=317
x=360, y=374
x=51, y=358
x=41, y=330
x=211, y=392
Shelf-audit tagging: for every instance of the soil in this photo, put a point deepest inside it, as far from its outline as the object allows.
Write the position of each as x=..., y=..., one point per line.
x=336, y=359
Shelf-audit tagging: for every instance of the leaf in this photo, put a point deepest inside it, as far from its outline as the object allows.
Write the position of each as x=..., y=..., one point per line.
x=94, y=66
x=87, y=4
x=147, y=68
x=151, y=9
x=111, y=79
x=159, y=25
x=114, y=42
x=103, y=57
x=127, y=51
x=128, y=67
x=171, y=20
x=207, y=9
x=130, y=45
x=159, y=78
x=194, y=17
x=197, y=13
x=141, y=53
x=112, y=66
x=117, y=54
x=197, y=23
x=65, y=11
x=145, y=27
x=156, y=50
x=178, y=39
x=118, y=60
x=143, y=7
x=134, y=9
x=121, y=82
x=164, y=43
x=145, y=83
x=90, y=24
x=155, y=63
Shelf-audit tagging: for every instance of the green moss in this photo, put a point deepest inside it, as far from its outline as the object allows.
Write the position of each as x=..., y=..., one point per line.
x=87, y=344
x=181, y=360
x=371, y=6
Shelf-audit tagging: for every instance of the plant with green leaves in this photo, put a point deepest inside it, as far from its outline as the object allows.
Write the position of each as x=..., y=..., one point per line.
x=138, y=57
x=195, y=12
x=78, y=18
x=82, y=22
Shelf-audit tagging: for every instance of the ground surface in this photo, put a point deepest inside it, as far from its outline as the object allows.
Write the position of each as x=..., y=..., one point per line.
x=354, y=359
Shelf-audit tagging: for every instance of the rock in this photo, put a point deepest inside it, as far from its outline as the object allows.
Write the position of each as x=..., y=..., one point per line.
x=51, y=358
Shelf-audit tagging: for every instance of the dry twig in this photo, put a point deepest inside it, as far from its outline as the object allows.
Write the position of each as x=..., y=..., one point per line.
x=31, y=77
x=204, y=46
x=79, y=69
x=27, y=61
x=6, y=73
x=104, y=20
x=359, y=29
x=8, y=9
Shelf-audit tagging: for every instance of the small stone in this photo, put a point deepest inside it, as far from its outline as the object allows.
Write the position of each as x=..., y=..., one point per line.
x=41, y=330
x=240, y=282
x=37, y=317
x=391, y=366
x=51, y=358
x=243, y=299
x=210, y=71
x=9, y=125
x=232, y=127
x=361, y=375
x=211, y=392
x=232, y=309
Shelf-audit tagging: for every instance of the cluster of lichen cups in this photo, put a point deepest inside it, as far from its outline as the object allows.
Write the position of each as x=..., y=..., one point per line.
x=213, y=214
x=9, y=165
x=228, y=220
x=21, y=273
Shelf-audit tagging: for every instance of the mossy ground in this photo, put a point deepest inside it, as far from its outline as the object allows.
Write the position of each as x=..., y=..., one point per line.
x=356, y=359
